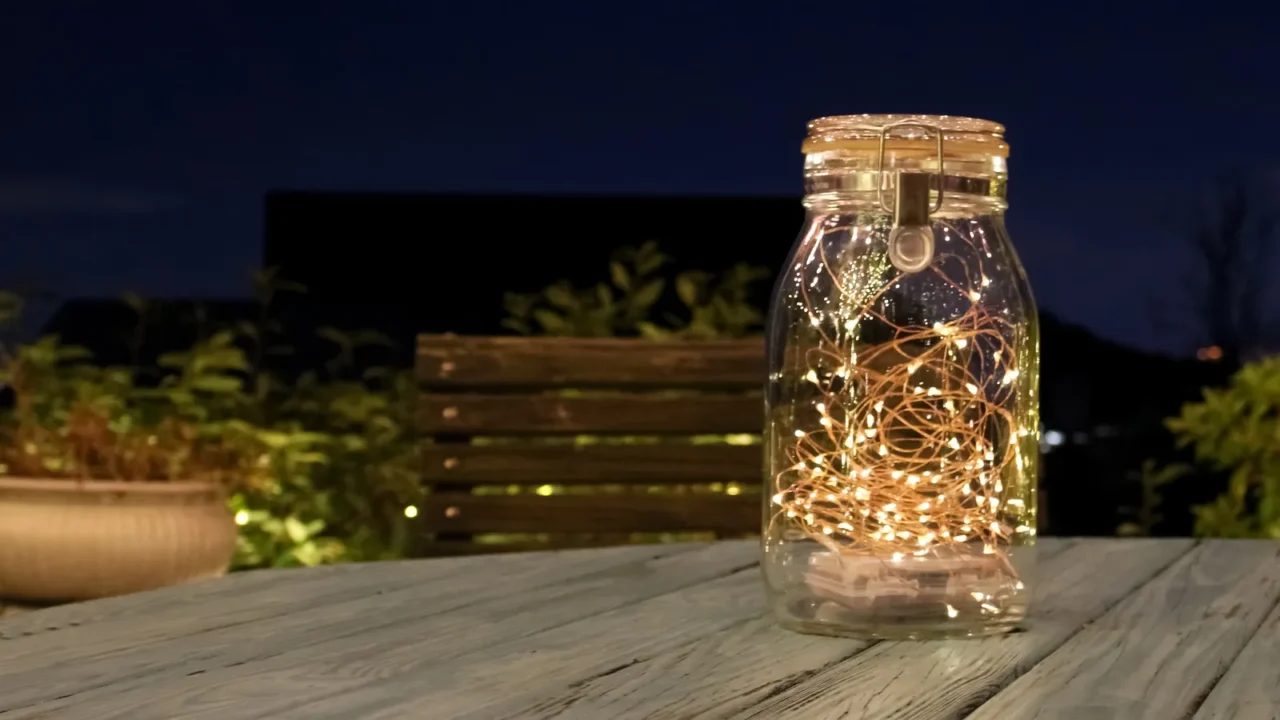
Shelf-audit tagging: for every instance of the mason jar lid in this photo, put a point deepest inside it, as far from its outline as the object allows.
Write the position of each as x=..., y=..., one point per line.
x=962, y=136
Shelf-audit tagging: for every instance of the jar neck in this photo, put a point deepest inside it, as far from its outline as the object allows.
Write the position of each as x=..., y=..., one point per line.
x=840, y=180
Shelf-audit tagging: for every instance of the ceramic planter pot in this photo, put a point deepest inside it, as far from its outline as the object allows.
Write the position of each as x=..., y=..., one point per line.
x=67, y=540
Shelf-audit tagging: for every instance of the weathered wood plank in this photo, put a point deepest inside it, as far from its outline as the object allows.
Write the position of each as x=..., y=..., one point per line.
x=938, y=680
x=669, y=512
x=1251, y=688
x=591, y=464
x=267, y=587
x=1157, y=654
x=139, y=646
x=223, y=602
x=457, y=548
x=486, y=684
x=733, y=670
x=553, y=414
x=274, y=672
x=445, y=360
x=703, y=650
x=1048, y=547
x=739, y=666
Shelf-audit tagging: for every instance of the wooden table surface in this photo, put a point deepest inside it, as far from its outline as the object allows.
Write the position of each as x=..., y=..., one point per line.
x=1119, y=629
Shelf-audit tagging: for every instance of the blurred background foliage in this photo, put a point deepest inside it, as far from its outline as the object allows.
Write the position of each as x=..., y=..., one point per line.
x=319, y=467
x=637, y=301
x=1235, y=430
x=335, y=471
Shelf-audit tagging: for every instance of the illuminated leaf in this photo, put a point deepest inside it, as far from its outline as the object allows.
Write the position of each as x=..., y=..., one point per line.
x=647, y=295
x=618, y=273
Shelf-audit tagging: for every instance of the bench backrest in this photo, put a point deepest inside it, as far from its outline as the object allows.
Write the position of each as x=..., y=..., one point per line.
x=517, y=428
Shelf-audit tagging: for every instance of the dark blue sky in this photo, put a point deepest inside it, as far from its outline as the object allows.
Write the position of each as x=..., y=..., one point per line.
x=135, y=145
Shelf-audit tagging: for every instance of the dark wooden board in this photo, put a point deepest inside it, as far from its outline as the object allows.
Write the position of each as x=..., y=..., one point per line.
x=552, y=414
x=452, y=361
x=554, y=541
x=621, y=513
x=1118, y=629
x=591, y=464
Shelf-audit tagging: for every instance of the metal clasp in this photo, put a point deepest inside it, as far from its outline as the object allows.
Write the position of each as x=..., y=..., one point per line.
x=911, y=242
x=884, y=135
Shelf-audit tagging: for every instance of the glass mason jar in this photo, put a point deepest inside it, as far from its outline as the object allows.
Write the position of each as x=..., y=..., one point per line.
x=901, y=437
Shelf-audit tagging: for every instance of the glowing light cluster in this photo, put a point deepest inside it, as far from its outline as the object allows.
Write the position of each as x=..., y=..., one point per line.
x=912, y=444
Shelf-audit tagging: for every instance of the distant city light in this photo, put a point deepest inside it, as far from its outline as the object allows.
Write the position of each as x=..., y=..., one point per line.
x=411, y=511
x=1209, y=354
x=1053, y=438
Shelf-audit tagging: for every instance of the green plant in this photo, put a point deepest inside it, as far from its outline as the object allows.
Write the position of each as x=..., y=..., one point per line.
x=1150, y=479
x=72, y=419
x=636, y=302
x=282, y=519
x=344, y=451
x=372, y=471
x=627, y=304
x=1236, y=429
x=10, y=315
x=319, y=468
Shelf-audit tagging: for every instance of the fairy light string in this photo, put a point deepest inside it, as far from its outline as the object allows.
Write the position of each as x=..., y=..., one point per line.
x=915, y=441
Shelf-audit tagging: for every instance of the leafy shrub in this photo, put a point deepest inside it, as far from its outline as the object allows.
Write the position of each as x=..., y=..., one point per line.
x=1150, y=481
x=630, y=303
x=343, y=450
x=320, y=469
x=1236, y=430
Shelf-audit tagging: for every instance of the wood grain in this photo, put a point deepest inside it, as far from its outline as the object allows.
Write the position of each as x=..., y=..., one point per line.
x=668, y=512
x=180, y=596
x=196, y=606
x=538, y=543
x=450, y=360
x=1159, y=653
x=937, y=680
x=278, y=670
x=1251, y=688
x=735, y=668
x=540, y=387
x=1119, y=629
x=555, y=414
x=480, y=684
x=144, y=647
x=732, y=671
x=591, y=464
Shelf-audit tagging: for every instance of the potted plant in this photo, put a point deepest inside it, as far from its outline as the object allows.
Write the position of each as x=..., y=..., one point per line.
x=110, y=484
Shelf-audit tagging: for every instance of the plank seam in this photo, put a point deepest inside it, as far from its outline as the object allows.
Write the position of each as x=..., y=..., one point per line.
x=799, y=678
x=643, y=658
x=672, y=551
x=338, y=598
x=1198, y=701
x=997, y=688
x=196, y=661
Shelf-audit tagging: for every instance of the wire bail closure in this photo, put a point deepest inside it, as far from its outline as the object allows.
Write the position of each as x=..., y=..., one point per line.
x=884, y=136
x=911, y=242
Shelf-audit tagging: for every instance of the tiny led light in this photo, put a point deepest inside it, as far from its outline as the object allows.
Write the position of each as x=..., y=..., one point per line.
x=904, y=407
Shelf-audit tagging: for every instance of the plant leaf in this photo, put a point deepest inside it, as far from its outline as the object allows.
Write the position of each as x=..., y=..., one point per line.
x=621, y=279
x=646, y=296
x=687, y=289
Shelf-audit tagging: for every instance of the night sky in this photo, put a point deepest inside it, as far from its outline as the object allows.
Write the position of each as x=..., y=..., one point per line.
x=136, y=145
